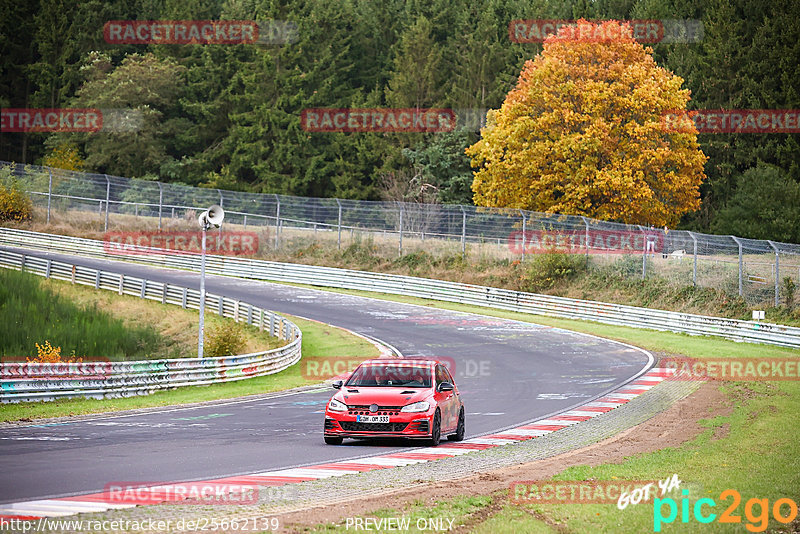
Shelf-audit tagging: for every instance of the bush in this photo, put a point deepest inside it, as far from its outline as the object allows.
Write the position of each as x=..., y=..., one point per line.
x=15, y=205
x=227, y=339
x=789, y=288
x=545, y=270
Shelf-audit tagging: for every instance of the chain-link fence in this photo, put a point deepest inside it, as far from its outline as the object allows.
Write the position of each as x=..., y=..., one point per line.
x=760, y=271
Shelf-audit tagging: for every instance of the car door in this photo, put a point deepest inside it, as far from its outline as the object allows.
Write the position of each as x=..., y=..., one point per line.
x=447, y=401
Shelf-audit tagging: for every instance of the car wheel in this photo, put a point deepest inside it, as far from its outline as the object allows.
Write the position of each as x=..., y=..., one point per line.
x=333, y=441
x=459, y=435
x=436, y=429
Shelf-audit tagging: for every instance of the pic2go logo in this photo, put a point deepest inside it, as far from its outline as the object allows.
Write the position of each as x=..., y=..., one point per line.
x=757, y=521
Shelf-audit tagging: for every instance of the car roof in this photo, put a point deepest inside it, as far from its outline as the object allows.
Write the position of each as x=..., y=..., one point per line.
x=404, y=362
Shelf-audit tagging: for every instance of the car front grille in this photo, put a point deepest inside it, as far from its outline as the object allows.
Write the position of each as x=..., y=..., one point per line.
x=382, y=410
x=353, y=426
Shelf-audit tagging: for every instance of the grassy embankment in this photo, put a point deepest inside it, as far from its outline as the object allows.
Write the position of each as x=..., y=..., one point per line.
x=97, y=324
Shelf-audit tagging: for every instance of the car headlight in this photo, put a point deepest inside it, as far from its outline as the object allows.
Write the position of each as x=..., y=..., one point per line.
x=336, y=406
x=421, y=406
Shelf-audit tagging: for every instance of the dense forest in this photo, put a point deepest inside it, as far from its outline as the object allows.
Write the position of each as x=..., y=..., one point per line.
x=228, y=116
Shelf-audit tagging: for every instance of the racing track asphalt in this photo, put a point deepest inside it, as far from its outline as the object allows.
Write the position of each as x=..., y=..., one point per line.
x=508, y=373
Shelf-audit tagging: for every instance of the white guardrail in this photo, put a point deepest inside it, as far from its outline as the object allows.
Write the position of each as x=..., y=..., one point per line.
x=616, y=314
x=25, y=381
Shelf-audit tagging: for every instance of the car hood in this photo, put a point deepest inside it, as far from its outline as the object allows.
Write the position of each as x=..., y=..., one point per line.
x=382, y=396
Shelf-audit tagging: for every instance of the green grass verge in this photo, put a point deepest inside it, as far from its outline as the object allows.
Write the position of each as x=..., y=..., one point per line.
x=319, y=341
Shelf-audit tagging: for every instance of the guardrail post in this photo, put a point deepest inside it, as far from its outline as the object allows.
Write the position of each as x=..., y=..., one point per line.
x=183, y=299
x=22, y=263
x=777, y=272
x=401, y=230
x=121, y=283
x=277, y=221
x=108, y=197
x=163, y=293
x=272, y=324
x=244, y=220
x=160, y=202
x=694, y=267
x=73, y=274
x=97, y=279
x=47, y=269
x=221, y=306
x=524, y=231
x=249, y=314
x=49, y=193
x=339, y=238
x=144, y=289
x=741, y=264
x=463, y=231
x=261, y=320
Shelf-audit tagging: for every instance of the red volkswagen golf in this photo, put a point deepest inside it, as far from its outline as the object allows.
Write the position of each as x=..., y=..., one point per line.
x=396, y=398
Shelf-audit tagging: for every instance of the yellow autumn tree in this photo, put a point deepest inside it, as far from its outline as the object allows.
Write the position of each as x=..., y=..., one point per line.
x=64, y=156
x=582, y=133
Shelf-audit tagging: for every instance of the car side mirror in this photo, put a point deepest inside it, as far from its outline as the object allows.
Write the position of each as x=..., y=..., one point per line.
x=337, y=384
x=445, y=386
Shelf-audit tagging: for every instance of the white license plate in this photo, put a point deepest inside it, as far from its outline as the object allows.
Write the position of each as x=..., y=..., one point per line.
x=372, y=418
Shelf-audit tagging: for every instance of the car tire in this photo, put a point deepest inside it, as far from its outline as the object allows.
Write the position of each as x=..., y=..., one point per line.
x=459, y=435
x=436, y=429
x=333, y=440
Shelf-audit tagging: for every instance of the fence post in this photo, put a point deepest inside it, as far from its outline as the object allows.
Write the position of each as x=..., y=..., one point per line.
x=160, y=202
x=108, y=196
x=694, y=267
x=777, y=272
x=644, y=252
x=463, y=231
x=524, y=230
x=219, y=230
x=277, y=220
x=49, y=193
x=741, y=264
x=586, y=224
x=401, y=230
x=339, y=238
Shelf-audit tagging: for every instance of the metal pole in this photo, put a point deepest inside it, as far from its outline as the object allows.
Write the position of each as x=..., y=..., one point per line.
x=49, y=193
x=401, y=229
x=108, y=193
x=339, y=238
x=586, y=224
x=524, y=229
x=644, y=253
x=777, y=272
x=277, y=220
x=694, y=268
x=741, y=264
x=463, y=231
x=202, y=295
x=160, y=202
x=219, y=232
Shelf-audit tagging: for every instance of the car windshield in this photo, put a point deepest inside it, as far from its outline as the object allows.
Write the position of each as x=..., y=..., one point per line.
x=391, y=376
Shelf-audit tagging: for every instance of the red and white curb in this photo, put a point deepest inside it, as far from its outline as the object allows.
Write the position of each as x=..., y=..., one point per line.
x=174, y=493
